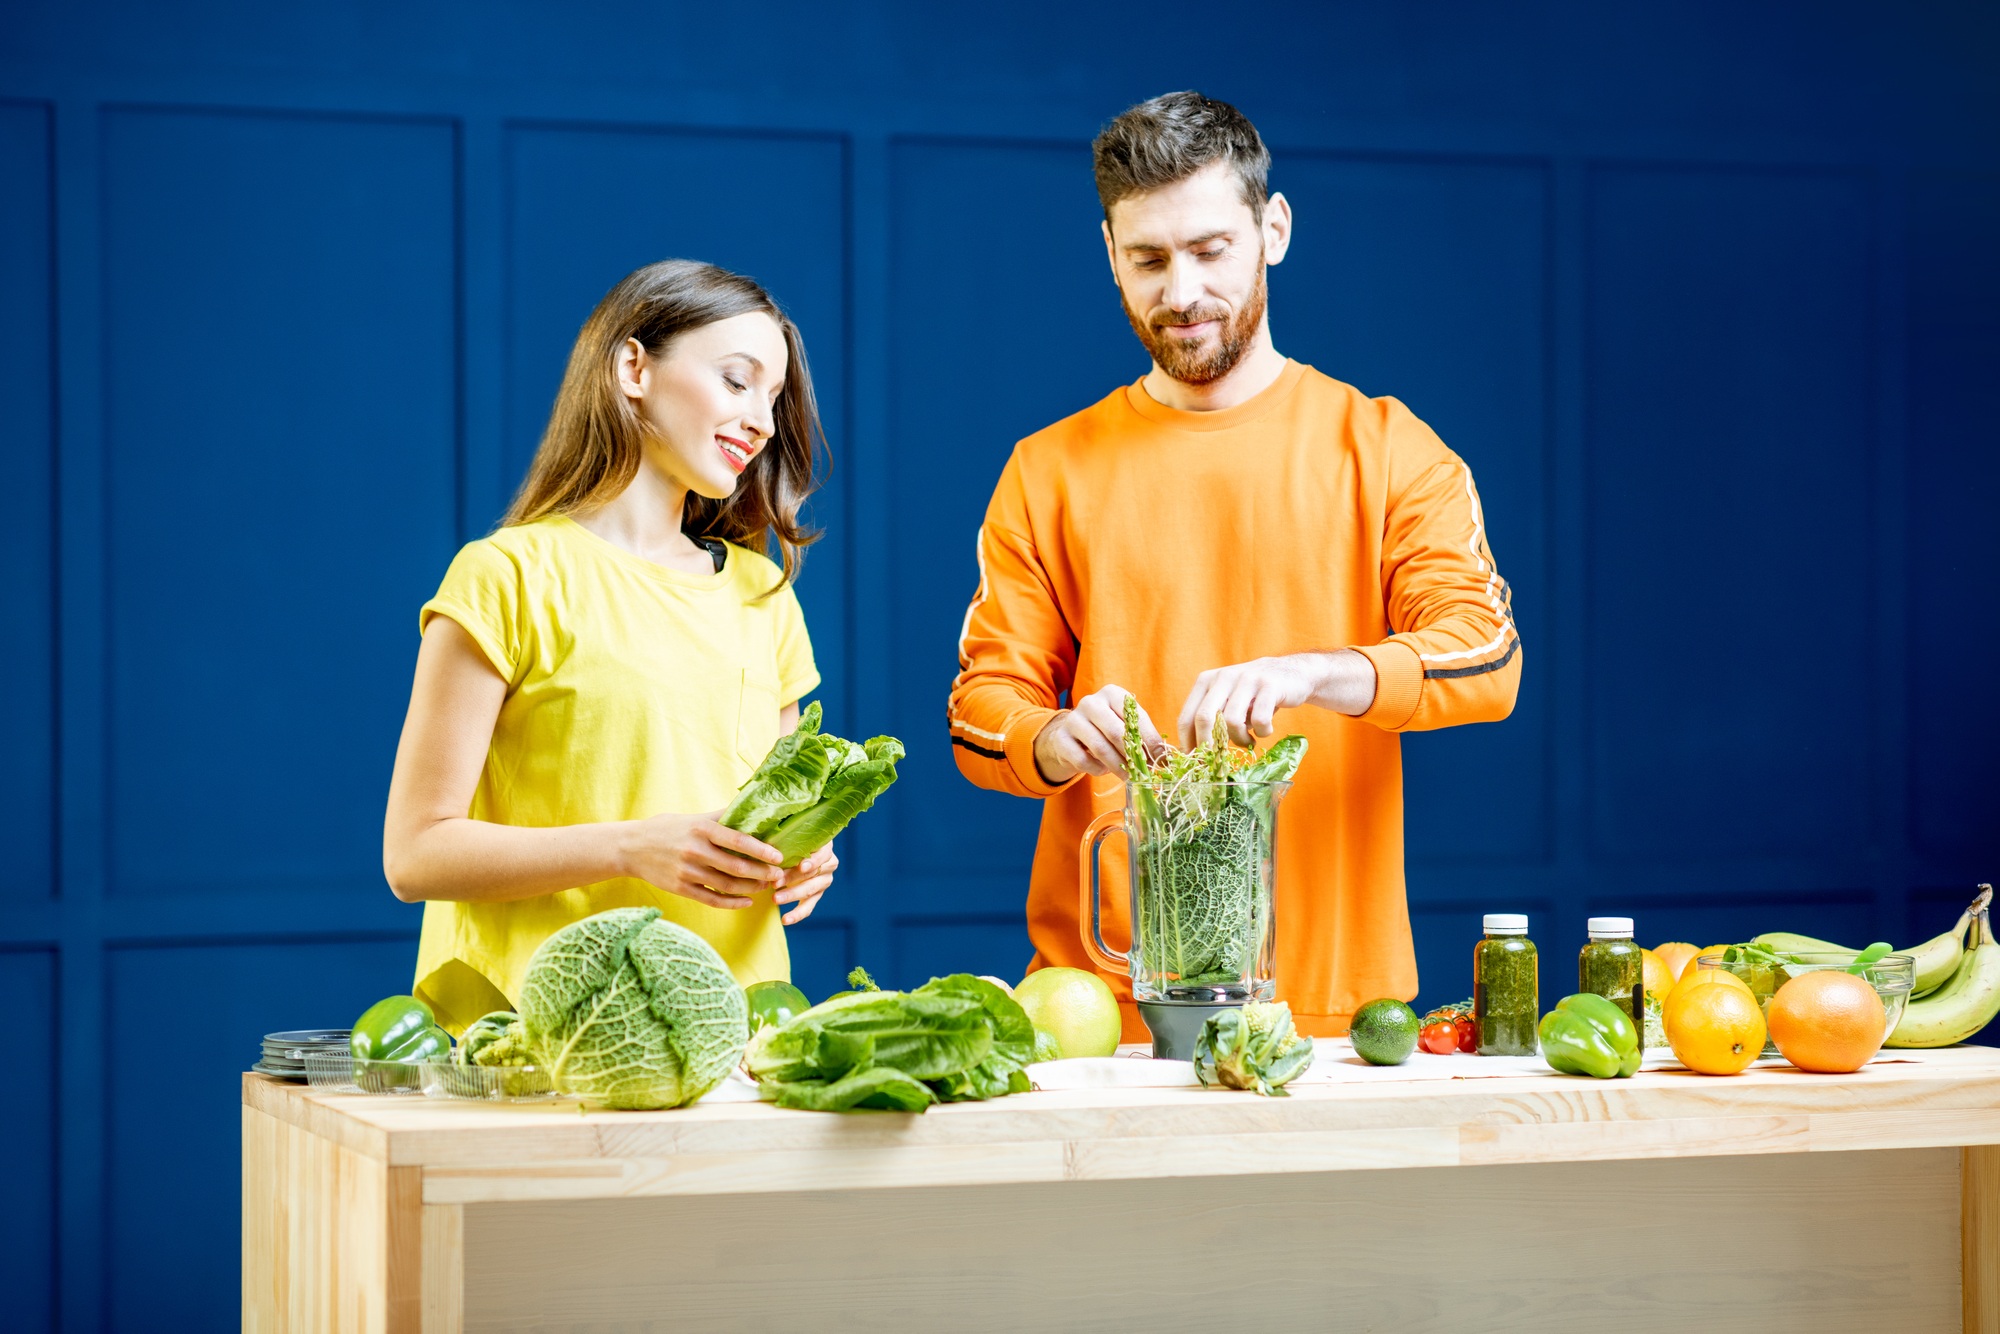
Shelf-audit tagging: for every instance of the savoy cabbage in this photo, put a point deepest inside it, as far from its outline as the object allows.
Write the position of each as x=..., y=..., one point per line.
x=633, y=1011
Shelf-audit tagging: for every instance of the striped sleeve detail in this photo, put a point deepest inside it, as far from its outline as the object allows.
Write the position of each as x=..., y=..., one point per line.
x=1506, y=640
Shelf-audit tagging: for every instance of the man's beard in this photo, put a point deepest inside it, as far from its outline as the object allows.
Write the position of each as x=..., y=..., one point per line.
x=1206, y=360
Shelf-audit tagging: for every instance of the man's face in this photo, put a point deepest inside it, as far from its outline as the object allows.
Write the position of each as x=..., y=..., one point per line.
x=1189, y=259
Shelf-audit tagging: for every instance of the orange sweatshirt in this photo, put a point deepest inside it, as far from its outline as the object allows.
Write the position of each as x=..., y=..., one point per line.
x=1140, y=545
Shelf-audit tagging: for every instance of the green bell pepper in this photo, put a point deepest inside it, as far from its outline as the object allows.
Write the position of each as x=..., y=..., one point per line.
x=1587, y=1035
x=774, y=1004
x=399, y=1028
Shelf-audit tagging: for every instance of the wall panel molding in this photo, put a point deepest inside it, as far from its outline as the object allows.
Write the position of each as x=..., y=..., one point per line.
x=1730, y=529
x=28, y=567
x=287, y=458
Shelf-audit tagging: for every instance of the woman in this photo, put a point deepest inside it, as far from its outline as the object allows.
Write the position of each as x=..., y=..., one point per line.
x=617, y=656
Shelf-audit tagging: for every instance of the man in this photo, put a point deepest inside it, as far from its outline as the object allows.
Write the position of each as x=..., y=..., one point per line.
x=1235, y=534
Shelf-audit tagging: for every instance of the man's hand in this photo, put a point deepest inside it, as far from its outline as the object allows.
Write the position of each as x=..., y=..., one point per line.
x=1089, y=738
x=1247, y=694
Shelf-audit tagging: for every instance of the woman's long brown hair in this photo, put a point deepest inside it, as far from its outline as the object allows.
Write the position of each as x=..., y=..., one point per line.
x=594, y=443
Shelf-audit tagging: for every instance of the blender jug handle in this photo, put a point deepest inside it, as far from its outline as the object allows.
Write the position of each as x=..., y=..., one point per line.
x=1089, y=920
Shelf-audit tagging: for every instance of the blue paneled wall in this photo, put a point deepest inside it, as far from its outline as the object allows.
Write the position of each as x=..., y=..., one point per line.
x=1709, y=300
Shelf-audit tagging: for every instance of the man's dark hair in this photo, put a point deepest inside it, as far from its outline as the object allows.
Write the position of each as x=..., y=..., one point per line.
x=1170, y=138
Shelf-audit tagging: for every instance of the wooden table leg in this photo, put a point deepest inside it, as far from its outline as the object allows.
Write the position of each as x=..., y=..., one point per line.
x=444, y=1269
x=334, y=1239
x=1979, y=1239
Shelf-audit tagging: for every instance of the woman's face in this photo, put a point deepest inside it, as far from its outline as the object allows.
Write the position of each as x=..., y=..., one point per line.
x=708, y=399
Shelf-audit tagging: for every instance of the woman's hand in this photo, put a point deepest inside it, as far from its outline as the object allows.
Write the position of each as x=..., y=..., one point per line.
x=700, y=859
x=805, y=882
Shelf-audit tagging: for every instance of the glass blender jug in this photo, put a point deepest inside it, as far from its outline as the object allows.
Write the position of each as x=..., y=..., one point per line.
x=1202, y=865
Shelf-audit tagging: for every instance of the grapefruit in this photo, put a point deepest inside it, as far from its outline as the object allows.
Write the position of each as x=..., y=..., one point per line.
x=1074, y=1007
x=1828, y=1022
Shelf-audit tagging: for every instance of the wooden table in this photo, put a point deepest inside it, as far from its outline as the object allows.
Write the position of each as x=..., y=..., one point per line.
x=1774, y=1200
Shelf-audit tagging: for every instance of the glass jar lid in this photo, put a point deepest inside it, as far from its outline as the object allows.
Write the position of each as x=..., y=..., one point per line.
x=1610, y=928
x=1506, y=924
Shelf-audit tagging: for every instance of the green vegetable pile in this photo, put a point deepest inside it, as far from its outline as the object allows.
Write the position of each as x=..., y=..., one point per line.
x=1203, y=811
x=954, y=1039
x=495, y=1039
x=810, y=786
x=1252, y=1048
x=631, y=1011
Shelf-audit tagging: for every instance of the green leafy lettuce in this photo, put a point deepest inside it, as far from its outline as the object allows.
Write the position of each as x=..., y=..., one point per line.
x=957, y=1038
x=810, y=786
x=788, y=781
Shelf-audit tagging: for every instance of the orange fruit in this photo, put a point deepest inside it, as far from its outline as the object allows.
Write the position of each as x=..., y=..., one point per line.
x=1697, y=976
x=1676, y=955
x=1829, y=1022
x=1659, y=978
x=1714, y=1030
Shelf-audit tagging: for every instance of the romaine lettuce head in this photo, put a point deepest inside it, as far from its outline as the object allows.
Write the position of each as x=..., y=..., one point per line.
x=926, y=1036
x=1003, y=1069
x=788, y=781
x=885, y=748
x=877, y=1087
x=850, y=792
x=840, y=753
x=633, y=1011
x=1278, y=764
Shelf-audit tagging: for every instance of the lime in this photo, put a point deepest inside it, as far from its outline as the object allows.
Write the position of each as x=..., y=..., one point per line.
x=1384, y=1032
x=1074, y=1007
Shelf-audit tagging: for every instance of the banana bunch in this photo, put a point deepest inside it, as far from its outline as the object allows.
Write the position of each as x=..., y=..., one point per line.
x=1956, y=991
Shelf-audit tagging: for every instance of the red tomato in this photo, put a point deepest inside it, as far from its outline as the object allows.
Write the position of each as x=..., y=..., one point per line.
x=1440, y=1037
x=1468, y=1036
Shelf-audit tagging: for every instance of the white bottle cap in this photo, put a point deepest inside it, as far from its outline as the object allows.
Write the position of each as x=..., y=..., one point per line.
x=1610, y=928
x=1506, y=924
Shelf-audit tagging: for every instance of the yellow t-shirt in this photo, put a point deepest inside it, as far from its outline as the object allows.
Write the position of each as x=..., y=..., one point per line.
x=632, y=690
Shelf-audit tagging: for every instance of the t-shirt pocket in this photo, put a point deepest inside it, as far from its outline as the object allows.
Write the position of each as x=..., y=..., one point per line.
x=756, y=719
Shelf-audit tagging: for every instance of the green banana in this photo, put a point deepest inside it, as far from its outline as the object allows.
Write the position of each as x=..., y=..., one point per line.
x=1790, y=942
x=1935, y=961
x=1966, y=1003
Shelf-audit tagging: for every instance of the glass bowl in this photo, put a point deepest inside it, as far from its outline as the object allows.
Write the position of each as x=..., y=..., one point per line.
x=486, y=1083
x=339, y=1072
x=1892, y=976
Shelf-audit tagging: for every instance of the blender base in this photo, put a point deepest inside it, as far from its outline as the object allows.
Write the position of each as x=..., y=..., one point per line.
x=1176, y=1024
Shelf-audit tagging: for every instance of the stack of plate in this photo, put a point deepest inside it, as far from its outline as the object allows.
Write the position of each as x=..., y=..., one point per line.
x=285, y=1053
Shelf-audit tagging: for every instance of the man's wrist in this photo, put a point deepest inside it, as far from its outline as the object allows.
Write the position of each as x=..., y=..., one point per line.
x=1347, y=682
x=1045, y=759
